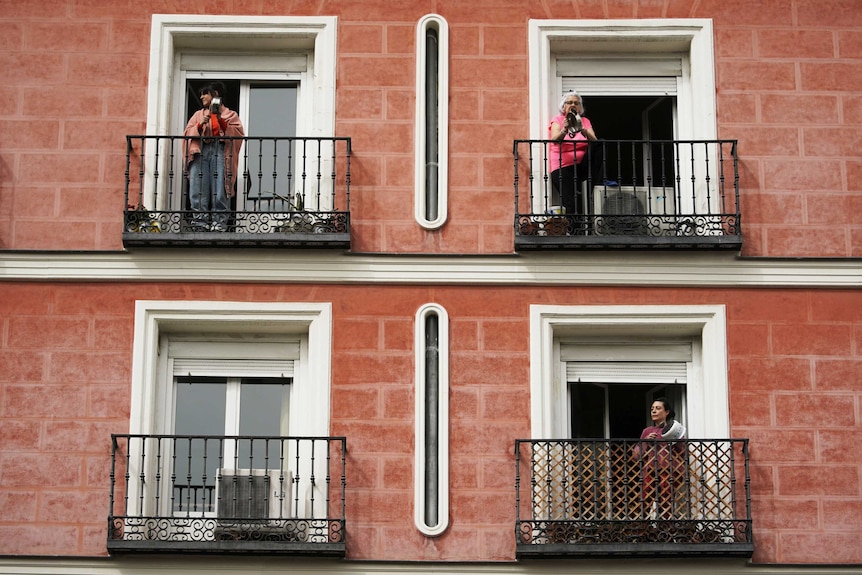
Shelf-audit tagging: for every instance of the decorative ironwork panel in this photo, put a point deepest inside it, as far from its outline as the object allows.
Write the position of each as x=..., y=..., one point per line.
x=631, y=492
x=305, y=200
x=669, y=194
x=175, y=529
x=168, y=492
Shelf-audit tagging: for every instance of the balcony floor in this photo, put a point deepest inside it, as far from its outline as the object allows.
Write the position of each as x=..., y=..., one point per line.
x=336, y=240
x=544, y=232
x=637, y=538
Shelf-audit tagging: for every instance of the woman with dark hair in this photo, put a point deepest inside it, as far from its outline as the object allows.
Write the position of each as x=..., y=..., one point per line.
x=212, y=160
x=662, y=461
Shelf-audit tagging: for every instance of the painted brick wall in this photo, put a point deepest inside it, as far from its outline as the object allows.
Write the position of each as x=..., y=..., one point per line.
x=795, y=368
x=781, y=93
x=787, y=72
x=795, y=381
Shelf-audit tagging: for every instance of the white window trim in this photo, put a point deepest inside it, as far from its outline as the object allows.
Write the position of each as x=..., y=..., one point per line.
x=310, y=392
x=171, y=35
x=170, y=29
x=707, y=393
x=696, y=98
x=420, y=191
x=443, y=421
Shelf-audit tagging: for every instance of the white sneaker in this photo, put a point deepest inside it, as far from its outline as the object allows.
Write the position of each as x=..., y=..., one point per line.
x=218, y=227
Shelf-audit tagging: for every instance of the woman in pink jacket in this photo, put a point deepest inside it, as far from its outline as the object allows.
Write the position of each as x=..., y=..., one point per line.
x=212, y=160
x=571, y=156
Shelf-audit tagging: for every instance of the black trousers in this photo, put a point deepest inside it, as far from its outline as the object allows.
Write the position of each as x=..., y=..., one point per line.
x=567, y=181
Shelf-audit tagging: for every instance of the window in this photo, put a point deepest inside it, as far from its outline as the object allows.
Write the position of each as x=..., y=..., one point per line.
x=609, y=361
x=672, y=343
x=641, y=79
x=227, y=369
x=630, y=97
x=612, y=384
x=432, y=121
x=611, y=46
x=267, y=106
x=238, y=387
x=432, y=420
x=279, y=72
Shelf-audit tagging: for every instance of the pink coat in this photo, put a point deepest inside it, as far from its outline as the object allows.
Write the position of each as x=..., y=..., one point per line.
x=230, y=119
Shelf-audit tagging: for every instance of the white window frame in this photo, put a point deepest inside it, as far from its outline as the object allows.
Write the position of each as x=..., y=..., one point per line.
x=234, y=358
x=690, y=37
x=152, y=413
x=439, y=23
x=696, y=97
x=310, y=397
x=705, y=326
x=173, y=35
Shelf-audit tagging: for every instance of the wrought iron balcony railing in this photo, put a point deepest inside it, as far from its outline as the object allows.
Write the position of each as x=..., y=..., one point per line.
x=283, y=192
x=630, y=497
x=265, y=495
x=628, y=194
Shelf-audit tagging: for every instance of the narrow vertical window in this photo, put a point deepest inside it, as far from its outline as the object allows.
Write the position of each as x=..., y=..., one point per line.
x=432, y=121
x=432, y=420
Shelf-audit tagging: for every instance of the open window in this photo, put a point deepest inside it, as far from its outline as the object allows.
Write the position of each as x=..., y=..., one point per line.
x=279, y=72
x=657, y=347
x=267, y=107
x=610, y=385
x=628, y=98
x=588, y=485
x=641, y=80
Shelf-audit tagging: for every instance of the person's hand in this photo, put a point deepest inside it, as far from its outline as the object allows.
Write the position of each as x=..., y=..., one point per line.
x=652, y=435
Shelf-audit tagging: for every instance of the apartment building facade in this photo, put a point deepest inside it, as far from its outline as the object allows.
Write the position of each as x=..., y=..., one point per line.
x=395, y=352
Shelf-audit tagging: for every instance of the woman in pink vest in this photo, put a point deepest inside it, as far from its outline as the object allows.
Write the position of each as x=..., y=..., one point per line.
x=570, y=153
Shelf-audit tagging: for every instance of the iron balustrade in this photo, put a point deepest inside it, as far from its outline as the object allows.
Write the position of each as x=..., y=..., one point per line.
x=630, y=193
x=286, y=191
x=245, y=494
x=632, y=497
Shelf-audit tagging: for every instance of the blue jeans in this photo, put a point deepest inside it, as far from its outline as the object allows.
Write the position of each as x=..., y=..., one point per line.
x=206, y=186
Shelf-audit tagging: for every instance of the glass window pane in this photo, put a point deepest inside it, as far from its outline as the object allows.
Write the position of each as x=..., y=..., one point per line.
x=272, y=112
x=200, y=410
x=200, y=406
x=263, y=412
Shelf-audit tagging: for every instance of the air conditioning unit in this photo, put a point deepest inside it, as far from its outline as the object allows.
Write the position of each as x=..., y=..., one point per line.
x=634, y=211
x=253, y=494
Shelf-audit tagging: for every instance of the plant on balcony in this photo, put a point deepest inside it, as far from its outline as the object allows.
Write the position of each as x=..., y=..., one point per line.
x=139, y=219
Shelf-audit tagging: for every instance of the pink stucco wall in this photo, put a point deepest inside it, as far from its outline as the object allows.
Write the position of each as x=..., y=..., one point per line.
x=794, y=373
x=788, y=76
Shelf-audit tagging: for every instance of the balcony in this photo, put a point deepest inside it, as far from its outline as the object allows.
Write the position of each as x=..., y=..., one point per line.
x=632, y=195
x=618, y=497
x=249, y=495
x=286, y=192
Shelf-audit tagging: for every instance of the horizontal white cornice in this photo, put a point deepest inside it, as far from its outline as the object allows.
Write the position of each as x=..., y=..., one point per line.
x=297, y=566
x=570, y=268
